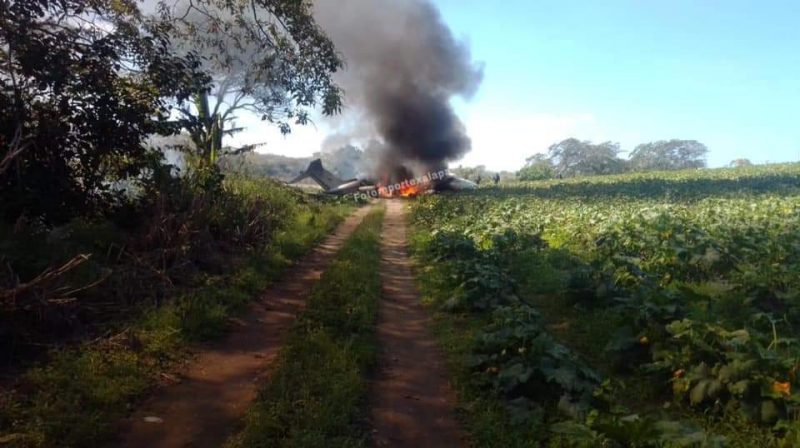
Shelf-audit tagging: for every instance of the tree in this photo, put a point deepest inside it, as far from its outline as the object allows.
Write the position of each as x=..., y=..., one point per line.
x=83, y=83
x=573, y=157
x=537, y=167
x=267, y=57
x=740, y=163
x=669, y=155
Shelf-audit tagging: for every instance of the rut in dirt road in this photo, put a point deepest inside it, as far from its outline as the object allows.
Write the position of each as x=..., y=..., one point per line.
x=412, y=403
x=220, y=383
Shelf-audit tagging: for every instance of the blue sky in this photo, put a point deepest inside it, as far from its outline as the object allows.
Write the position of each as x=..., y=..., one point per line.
x=726, y=73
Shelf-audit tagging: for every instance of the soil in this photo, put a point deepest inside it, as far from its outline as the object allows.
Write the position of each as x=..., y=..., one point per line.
x=205, y=403
x=412, y=402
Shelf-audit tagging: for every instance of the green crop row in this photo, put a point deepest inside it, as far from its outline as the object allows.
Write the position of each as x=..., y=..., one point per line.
x=696, y=276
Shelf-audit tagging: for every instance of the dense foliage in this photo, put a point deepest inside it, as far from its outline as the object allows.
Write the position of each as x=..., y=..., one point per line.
x=537, y=167
x=111, y=259
x=112, y=322
x=85, y=84
x=84, y=201
x=68, y=281
x=573, y=157
x=82, y=84
x=669, y=155
x=689, y=281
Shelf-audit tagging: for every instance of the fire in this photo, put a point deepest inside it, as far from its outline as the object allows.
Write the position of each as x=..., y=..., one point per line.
x=410, y=191
x=404, y=189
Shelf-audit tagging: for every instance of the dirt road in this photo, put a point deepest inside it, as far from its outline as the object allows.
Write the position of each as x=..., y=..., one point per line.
x=412, y=404
x=220, y=383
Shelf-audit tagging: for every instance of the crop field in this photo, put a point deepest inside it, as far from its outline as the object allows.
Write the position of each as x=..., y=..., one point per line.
x=657, y=309
x=340, y=224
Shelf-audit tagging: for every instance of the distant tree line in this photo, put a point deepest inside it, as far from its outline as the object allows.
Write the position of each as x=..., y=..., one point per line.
x=347, y=162
x=573, y=157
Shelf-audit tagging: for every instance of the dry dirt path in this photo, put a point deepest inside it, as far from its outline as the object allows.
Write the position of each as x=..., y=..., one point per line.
x=412, y=403
x=221, y=381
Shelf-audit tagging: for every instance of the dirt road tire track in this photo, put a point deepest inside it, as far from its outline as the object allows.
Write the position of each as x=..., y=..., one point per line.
x=412, y=403
x=221, y=381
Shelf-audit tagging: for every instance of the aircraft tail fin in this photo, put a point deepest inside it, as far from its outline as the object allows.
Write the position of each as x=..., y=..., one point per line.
x=327, y=180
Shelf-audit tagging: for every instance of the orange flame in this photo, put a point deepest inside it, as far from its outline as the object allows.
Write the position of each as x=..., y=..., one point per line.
x=410, y=191
x=406, y=190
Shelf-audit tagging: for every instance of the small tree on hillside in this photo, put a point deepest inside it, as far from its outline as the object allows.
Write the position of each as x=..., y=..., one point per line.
x=741, y=163
x=669, y=155
x=537, y=167
x=573, y=157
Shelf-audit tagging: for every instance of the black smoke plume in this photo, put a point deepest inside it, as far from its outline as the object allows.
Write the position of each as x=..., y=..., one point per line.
x=403, y=67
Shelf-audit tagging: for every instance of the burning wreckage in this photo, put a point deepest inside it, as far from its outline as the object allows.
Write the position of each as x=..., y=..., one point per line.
x=435, y=181
x=405, y=66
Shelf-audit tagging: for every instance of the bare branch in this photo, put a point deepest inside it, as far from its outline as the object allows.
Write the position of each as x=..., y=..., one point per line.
x=261, y=28
x=15, y=148
x=8, y=297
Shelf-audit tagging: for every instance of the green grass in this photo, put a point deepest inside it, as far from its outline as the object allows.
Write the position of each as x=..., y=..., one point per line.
x=315, y=396
x=75, y=398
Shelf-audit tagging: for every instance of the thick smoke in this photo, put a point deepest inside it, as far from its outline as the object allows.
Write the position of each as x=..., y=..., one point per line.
x=403, y=67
